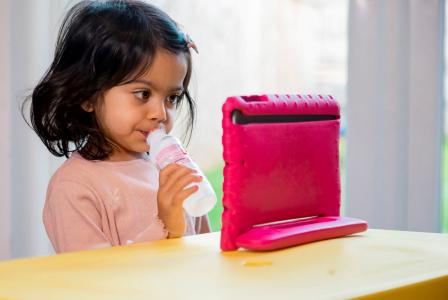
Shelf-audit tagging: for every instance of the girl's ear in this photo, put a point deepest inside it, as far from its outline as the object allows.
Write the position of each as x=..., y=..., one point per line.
x=87, y=106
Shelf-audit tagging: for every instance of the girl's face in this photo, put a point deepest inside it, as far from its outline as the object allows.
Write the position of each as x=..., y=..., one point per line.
x=130, y=111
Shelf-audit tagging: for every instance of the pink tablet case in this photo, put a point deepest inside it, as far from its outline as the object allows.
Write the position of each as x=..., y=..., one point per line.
x=281, y=167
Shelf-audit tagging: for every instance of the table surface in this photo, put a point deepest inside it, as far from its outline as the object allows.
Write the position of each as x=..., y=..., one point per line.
x=376, y=263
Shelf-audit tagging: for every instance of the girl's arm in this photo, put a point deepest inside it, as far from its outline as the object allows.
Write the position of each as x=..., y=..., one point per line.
x=72, y=218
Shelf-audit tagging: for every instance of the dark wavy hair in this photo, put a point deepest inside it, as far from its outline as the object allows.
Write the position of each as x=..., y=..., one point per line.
x=101, y=44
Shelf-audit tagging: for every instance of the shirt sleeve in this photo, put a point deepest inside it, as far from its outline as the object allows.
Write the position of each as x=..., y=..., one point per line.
x=155, y=231
x=72, y=218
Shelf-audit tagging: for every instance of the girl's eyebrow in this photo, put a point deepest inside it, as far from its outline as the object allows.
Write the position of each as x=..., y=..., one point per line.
x=151, y=84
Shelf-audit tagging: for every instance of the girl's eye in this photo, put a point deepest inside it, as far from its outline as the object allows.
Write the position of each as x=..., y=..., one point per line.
x=142, y=95
x=174, y=99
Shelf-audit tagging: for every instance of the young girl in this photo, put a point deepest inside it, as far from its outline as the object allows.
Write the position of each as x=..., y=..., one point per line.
x=120, y=70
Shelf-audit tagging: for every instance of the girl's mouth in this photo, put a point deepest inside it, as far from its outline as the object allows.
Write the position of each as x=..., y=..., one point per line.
x=145, y=133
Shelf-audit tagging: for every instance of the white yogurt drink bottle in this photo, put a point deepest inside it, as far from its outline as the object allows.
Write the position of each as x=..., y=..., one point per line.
x=166, y=149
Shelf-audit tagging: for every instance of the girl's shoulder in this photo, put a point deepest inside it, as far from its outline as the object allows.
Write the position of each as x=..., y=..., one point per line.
x=88, y=172
x=76, y=169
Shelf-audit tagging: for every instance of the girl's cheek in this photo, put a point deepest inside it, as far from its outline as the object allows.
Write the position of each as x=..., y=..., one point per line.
x=170, y=115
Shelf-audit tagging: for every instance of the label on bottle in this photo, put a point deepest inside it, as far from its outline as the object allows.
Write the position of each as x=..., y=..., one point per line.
x=174, y=153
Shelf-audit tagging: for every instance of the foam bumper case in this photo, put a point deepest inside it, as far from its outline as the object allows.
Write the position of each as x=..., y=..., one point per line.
x=281, y=156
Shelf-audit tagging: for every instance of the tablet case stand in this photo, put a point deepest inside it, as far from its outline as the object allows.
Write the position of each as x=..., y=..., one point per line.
x=281, y=176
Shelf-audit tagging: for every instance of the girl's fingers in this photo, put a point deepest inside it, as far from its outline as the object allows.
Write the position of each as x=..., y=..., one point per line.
x=173, y=180
x=171, y=173
x=165, y=173
x=184, y=181
x=173, y=183
x=181, y=196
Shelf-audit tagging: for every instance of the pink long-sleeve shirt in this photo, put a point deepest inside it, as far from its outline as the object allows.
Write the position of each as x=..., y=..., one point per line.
x=95, y=204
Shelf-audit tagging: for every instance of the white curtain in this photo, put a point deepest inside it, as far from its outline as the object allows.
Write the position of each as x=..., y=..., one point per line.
x=395, y=101
x=5, y=91
x=27, y=33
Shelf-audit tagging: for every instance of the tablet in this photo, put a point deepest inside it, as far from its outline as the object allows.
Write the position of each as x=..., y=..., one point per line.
x=281, y=175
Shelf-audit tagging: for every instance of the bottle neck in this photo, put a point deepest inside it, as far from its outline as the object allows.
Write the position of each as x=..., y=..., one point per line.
x=156, y=136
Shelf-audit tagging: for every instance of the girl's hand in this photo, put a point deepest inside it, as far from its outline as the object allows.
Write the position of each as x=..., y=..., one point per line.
x=172, y=192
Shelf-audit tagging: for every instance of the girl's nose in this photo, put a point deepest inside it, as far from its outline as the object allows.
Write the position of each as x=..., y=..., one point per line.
x=157, y=111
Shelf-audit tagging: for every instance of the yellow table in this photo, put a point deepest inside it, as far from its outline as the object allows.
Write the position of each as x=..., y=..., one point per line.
x=376, y=264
